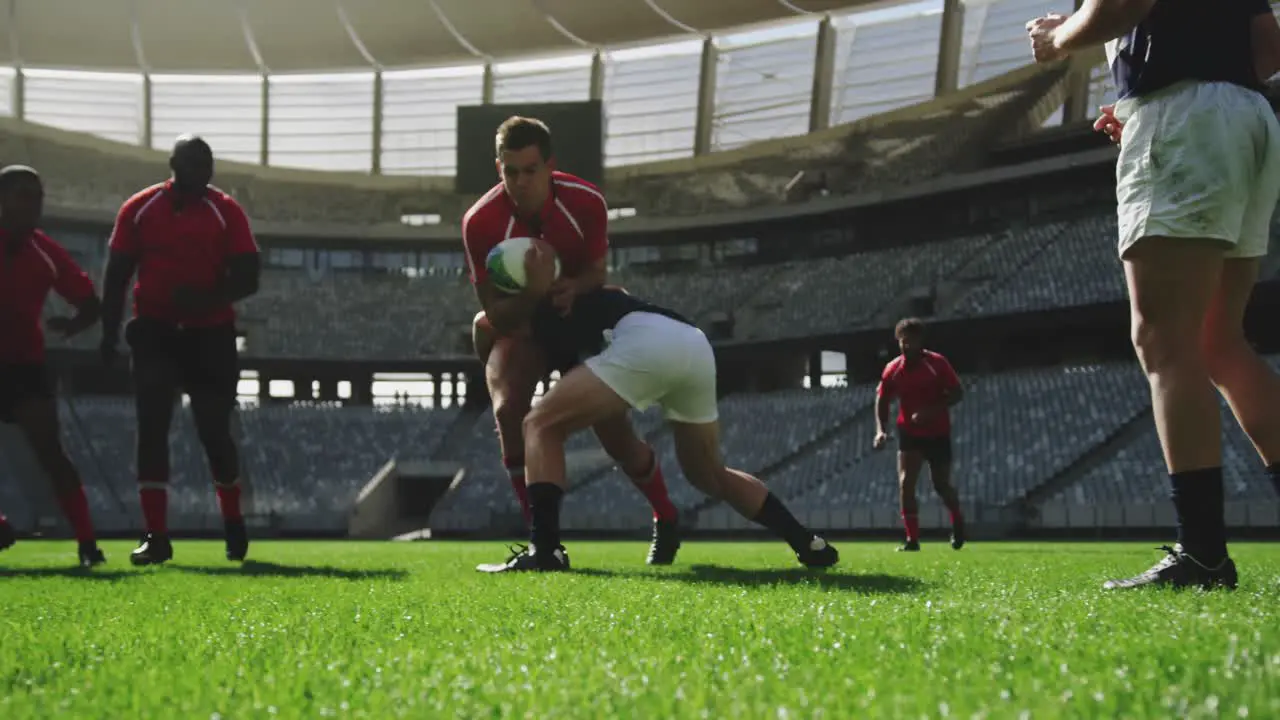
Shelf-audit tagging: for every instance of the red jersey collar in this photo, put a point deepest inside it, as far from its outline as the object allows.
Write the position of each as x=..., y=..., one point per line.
x=548, y=207
x=168, y=188
x=6, y=237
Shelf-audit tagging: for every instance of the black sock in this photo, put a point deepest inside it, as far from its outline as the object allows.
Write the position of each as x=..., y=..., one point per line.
x=544, y=505
x=1198, y=499
x=1273, y=472
x=776, y=517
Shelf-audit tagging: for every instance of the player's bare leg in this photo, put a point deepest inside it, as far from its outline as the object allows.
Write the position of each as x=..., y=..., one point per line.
x=7, y=536
x=156, y=393
x=1172, y=283
x=512, y=369
x=37, y=417
x=212, y=416
x=909, y=464
x=1247, y=382
x=578, y=401
x=698, y=450
x=940, y=474
x=639, y=461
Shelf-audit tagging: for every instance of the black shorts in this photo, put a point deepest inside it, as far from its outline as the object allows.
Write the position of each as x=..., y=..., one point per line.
x=20, y=383
x=935, y=449
x=203, y=361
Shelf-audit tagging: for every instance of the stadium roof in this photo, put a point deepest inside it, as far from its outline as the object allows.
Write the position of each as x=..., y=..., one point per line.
x=179, y=36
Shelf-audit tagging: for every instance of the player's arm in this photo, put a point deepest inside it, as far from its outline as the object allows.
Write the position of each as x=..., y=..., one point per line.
x=952, y=391
x=242, y=273
x=884, y=402
x=122, y=263
x=507, y=313
x=1098, y=21
x=1264, y=33
x=74, y=286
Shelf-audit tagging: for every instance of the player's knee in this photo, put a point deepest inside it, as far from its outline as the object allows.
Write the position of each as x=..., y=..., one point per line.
x=542, y=427
x=510, y=416
x=1160, y=347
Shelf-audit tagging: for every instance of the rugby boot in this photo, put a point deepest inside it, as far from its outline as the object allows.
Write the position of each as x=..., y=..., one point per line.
x=526, y=558
x=819, y=554
x=666, y=542
x=237, y=540
x=90, y=555
x=1179, y=569
x=153, y=550
x=957, y=534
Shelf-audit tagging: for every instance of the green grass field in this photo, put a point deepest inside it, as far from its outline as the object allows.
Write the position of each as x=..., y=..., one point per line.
x=332, y=629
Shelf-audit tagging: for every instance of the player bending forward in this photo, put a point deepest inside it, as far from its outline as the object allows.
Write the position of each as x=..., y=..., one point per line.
x=926, y=387
x=32, y=264
x=570, y=214
x=194, y=256
x=639, y=354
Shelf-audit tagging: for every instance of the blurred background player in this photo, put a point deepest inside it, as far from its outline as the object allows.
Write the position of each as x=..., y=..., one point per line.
x=925, y=386
x=194, y=255
x=571, y=215
x=32, y=264
x=652, y=356
x=1197, y=181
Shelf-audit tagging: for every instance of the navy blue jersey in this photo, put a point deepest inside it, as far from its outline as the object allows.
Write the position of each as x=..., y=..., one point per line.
x=1202, y=40
x=582, y=333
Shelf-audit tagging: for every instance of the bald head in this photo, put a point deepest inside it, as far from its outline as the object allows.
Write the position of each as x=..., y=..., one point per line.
x=192, y=164
x=21, y=199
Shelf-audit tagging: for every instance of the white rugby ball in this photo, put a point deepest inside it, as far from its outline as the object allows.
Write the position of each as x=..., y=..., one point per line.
x=505, y=264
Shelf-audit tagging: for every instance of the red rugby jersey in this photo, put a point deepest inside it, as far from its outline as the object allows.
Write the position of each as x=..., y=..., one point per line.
x=575, y=222
x=27, y=274
x=917, y=387
x=180, y=247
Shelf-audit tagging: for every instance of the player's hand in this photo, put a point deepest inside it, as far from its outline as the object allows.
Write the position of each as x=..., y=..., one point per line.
x=64, y=326
x=923, y=416
x=539, y=268
x=1041, y=31
x=1108, y=124
x=880, y=439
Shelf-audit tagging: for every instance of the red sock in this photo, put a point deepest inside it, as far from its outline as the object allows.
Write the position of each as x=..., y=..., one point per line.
x=155, y=506
x=229, y=500
x=912, y=524
x=515, y=471
x=654, y=488
x=3, y=520
x=76, y=508
x=956, y=517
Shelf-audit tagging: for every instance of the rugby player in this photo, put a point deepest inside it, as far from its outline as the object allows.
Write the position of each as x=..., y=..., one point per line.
x=533, y=199
x=1197, y=182
x=925, y=386
x=637, y=354
x=194, y=255
x=32, y=264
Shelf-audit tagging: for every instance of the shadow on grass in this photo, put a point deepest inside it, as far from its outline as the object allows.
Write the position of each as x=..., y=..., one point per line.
x=65, y=572
x=870, y=583
x=258, y=568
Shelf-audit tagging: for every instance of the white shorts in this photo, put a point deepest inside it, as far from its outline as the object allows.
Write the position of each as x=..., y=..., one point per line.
x=653, y=359
x=1199, y=160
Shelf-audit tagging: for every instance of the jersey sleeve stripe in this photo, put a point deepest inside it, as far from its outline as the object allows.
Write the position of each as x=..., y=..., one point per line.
x=569, y=216
x=53, y=267
x=217, y=213
x=137, y=217
x=580, y=186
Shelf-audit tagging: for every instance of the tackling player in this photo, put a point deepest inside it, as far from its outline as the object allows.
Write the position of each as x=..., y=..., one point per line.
x=570, y=214
x=926, y=387
x=640, y=354
x=194, y=255
x=32, y=264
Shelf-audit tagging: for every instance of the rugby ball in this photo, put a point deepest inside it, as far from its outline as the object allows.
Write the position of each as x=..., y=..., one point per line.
x=505, y=264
